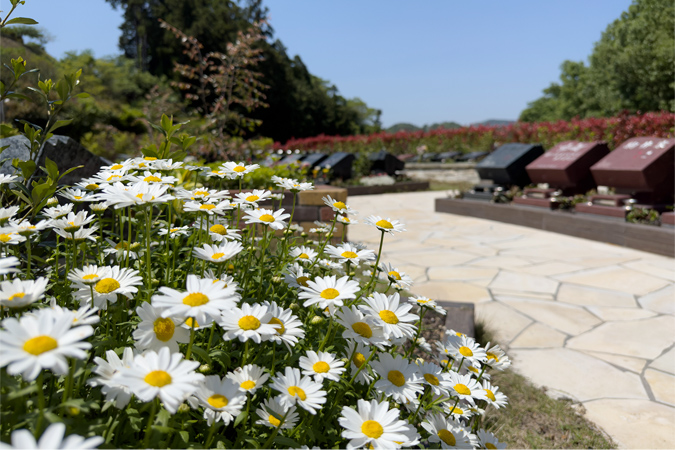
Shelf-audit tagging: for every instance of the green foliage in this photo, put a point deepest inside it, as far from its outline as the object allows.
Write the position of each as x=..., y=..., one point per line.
x=644, y=216
x=631, y=68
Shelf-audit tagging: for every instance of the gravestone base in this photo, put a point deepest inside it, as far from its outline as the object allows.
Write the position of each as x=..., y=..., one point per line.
x=618, y=212
x=668, y=219
x=536, y=202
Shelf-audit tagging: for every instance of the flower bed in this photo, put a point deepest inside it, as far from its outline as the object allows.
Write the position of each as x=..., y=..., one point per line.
x=137, y=314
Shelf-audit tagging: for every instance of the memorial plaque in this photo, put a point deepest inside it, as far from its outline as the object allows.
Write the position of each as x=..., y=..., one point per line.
x=340, y=164
x=290, y=159
x=313, y=159
x=642, y=167
x=473, y=156
x=448, y=156
x=428, y=157
x=567, y=166
x=384, y=162
x=506, y=165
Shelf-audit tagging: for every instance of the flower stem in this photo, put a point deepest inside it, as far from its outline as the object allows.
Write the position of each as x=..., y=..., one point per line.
x=151, y=420
x=41, y=403
x=377, y=264
x=192, y=339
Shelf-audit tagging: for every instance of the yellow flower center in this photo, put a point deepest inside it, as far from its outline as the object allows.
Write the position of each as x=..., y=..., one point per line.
x=274, y=421
x=150, y=158
x=201, y=193
x=247, y=385
x=330, y=293
x=372, y=429
x=239, y=169
x=339, y=205
x=190, y=320
x=447, y=437
x=302, y=255
x=388, y=316
x=107, y=285
x=302, y=281
x=350, y=255
x=396, y=378
x=195, y=299
x=218, y=401
x=490, y=445
x=362, y=329
x=217, y=255
x=17, y=295
x=457, y=410
x=491, y=355
x=490, y=395
x=173, y=230
x=461, y=389
x=282, y=329
x=359, y=359
x=77, y=197
x=249, y=323
x=473, y=369
x=295, y=390
x=116, y=167
x=112, y=177
x=321, y=367
x=395, y=275
x=121, y=246
x=40, y=344
x=252, y=198
x=5, y=238
x=163, y=329
x=345, y=219
x=465, y=351
x=269, y=218
x=384, y=224
x=207, y=206
x=158, y=378
x=218, y=229
x=91, y=187
x=152, y=178
x=431, y=379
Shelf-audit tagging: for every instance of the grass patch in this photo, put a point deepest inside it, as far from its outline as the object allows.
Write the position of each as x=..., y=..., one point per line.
x=446, y=186
x=534, y=420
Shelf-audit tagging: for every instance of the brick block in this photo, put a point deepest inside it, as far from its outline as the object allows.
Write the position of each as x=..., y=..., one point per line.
x=308, y=198
x=305, y=213
x=326, y=214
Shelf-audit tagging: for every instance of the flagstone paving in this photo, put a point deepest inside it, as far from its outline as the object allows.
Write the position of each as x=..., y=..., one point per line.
x=593, y=322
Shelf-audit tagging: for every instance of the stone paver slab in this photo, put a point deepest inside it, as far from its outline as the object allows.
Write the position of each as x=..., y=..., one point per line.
x=502, y=262
x=580, y=376
x=550, y=268
x=452, y=291
x=665, y=362
x=538, y=336
x=430, y=258
x=636, y=365
x=520, y=294
x=662, y=385
x=646, y=338
x=583, y=295
x=572, y=320
x=460, y=273
x=610, y=314
x=616, y=278
x=662, y=301
x=662, y=267
x=504, y=322
x=524, y=282
x=634, y=423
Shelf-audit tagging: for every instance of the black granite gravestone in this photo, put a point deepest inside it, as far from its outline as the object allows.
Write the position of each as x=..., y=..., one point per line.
x=472, y=156
x=313, y=159
x=447, y=156
x=290, y=159
x=506, y=165
x=340, y=165
x=384, y=162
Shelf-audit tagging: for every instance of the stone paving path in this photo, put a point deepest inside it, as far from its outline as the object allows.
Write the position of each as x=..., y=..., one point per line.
x=590, y=321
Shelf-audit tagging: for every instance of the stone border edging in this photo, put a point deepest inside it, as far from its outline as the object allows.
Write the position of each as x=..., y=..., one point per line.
x=646, y=238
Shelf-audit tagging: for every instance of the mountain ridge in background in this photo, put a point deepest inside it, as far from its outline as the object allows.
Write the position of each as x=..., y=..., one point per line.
x=404, y=126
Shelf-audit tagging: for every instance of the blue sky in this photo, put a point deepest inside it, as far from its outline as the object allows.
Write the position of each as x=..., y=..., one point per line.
x=419, y=62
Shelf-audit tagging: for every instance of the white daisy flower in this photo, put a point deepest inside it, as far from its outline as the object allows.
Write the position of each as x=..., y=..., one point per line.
x=187, y=324
x=202, y=194
x=18, y=293
x=385, y=225
x=468, y=349
x=77, y=195
x=52, y=438
x=56, y=212
x=116, y=281
x=221, y=398
x=303, y=254
x=165, y=164
x=433, y=376
x=272, y=412
x=338, y=206
x=73, y=222
x=80, y=235
x=489, y=440
x=398, y=378
x=208, y=208
x=290, y=327
x=109, y=373
x=221, y=231
x=348, y=252
x=360, y=328
x=157, y=177
x=249, y=378
x=164, y=375
x=237, y=170
x=494, y=397
x=396, y=276
x=203, y=298
x=174, y=232
x=33, y=343
x=121, y=249
x=296, y=389
x=426, y=302
x=475, y=370
x=466, y=388
x=374, y=425
x=346, y=220
x=296, y=276
x=8, y=213
x=6, y=179
x=359, y=354
x=85, y=315
x=9, y=237
x=26, y=228
x=449, y=432
x=248, y=322
x=155, y=331
x=391, y=315
x=218, y=253
x=88, y=184
x=328, y=291
x=322, y=365
x=252, y=198
x=8, y=265
x=106, y=177
x=123, y=166
x=267, y=217
x=459, y=411
x=496, y=358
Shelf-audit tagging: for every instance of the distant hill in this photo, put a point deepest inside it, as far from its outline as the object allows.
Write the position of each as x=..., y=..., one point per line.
x=410, y=127
x=495, y=123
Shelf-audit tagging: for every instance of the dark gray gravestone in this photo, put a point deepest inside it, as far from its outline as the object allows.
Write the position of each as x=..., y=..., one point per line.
x=340, y=164
x=63, y=150
x=290, y=159
x=384, y=162
x=473, y=156
x=448, y=156
x=313, y=159
x=506, y=165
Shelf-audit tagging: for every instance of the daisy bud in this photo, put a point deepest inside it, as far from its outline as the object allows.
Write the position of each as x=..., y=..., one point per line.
x=230, y=267
x=250, y=248
x=282, y=239
x=135, y=246
x=52, y=201
x=303, y=234
x=316, y=320
x=276, y=280
x=205, y=368
x=183, y=408
x=73, y=411
x=294, y=307
x=155, y=282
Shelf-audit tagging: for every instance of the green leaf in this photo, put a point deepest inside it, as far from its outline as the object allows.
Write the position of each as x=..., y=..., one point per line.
x=27, y=168
x=286, y=442
x=19, y=96
x=21, y=20
x=177, y=155
x=82, y=95
x=150, y=151
x=22, y=392
x=201, y=353
x=68, y=171
x=240, y=418
x=52, y=169
x=185, y=436
x=58, y=124
x=166, y=123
